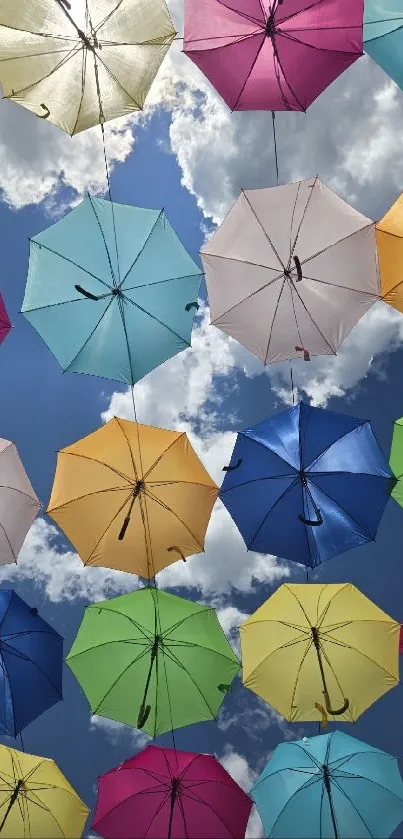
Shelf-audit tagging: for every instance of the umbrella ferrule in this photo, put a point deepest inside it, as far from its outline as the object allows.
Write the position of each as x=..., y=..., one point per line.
x=315, y=637
x=137, y=489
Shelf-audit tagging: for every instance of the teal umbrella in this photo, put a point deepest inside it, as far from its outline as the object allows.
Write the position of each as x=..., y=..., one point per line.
x=383, y=36
x=111, y=290
x=329, y=786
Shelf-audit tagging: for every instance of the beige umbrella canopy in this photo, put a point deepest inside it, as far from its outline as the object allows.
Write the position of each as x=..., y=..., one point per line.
x=79, y=63
x=18, y=503
x=291, y=270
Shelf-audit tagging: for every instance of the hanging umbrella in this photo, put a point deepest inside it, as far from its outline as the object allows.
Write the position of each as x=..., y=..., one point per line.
x=291, y=270
x=18, y=503
x=83, y=62
x=329, y=786
x=396, y=460
x=313, y=651
x=383, y=38
x=401, y=640
x=307, y=484
x=172, y=794
x=132, y=497
x=389, y=239
x=36, y=800
x=31, y=654
x=5, y=324
x=111, y=290
x=272, y=55
x=153, y=660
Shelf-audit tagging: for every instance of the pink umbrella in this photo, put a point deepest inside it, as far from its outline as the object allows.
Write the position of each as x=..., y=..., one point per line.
x=5, y=324
x=275, y=55
x=168, y=794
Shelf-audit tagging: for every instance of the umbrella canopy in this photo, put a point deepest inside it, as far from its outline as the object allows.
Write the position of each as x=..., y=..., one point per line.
x=329, y=786
x=173, y=794
x=266, y=55
x=132, y=497
x=307, y=484
x=18, y=503
x=396, y=460
x=83, y=62
x=383, y=38
x=316, y=651
x=389, y=240
x=111, y=290
x=5, y=324
x=31, y=653
x=36, y=800
x=401, y=640
x=153, y=660
x=291, y=270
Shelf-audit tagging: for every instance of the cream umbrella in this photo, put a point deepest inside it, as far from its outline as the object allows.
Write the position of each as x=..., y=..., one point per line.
x=79, y=63
x=18, y=503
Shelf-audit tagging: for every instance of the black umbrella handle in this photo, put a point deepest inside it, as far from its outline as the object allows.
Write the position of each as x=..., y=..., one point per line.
x=144, y=711
x=46, y=114
x=310, y=522
x=319, y=519
x=334, y=712
x=232, y=468
x=190, y=306
x=298, y=269
x=178, y=551
x=13, y=799
x=86, y=293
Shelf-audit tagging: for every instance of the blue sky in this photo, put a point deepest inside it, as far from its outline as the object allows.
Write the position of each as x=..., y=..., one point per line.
x=191, y=159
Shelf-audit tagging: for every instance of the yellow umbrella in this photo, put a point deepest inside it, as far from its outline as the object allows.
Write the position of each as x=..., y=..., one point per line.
x=317, y=651
x=36, y=800
x=389, y=240
x=132, y=497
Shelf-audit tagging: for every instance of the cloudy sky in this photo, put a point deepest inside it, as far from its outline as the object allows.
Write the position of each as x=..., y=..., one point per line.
x=189, y=154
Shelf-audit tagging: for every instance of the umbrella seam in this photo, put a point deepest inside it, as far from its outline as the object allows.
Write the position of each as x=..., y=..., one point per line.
x=88, y=560
x=333, y=351
x=71, y=54
x=165, y=506
x=243, y=192
x=363, y=530
x=280, y=498
x=153, y=317
x=277, y=306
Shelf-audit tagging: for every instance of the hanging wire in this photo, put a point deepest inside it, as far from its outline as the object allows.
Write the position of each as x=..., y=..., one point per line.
x=292, y=384
x=273, y=116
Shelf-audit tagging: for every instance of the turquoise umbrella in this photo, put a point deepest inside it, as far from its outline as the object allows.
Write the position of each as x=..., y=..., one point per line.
x=383, y=36
x=111, y=290
x=329, y=786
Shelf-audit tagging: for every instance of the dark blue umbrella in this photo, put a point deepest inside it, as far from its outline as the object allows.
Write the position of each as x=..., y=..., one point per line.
x=307, y=484
x=31, y=664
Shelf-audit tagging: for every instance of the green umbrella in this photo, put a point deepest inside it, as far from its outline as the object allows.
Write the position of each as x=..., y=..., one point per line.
x=396, y=461
x=153, y=660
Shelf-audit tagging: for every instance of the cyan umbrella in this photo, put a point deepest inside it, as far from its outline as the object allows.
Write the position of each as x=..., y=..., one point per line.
x=329, y=786
x=31, y=664
x=307, y=484
x=383, y=36
x=111, y=290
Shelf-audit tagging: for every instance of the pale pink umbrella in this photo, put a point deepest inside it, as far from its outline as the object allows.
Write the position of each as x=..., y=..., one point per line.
x=275, y=55
x=5, y=324
x=19, y=504
x=291, y=270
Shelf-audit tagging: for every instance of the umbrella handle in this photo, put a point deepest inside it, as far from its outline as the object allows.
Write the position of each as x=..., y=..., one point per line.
x=68, y=5
x=307, y=357
x=333, y=711
x=298, y=269
x=178, y=550
x=311, y=523
x=232, y=468
x=190, y=306
x=86, y=293
x=46, y=114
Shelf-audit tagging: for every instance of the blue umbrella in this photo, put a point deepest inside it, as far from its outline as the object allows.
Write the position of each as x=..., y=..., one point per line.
x=307, y=484
x=31, y=664
x=383, y=36
x=111, y=290
x=329, y=786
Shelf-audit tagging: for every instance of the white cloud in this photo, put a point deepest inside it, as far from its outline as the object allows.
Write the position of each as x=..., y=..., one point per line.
x=117, y=732
x=238, y=767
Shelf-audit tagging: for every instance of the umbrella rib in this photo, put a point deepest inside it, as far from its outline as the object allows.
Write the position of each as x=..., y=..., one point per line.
x=189, y=793
x=324, y=612
x=359, y=652
x=117, y=82
x=139, y=626
x=71, y=54
x=67, y=259
x=331, y=668
x=263, y=229
x=314, y=462
x=313, y=321
x=149, y=234
x=175, y=644
x=344, y=287
x=238, y=39
x=301, y=664
x=88, y=561
x=255, y=481
x=274, y=318
x=161, y=282
x=369, y=780
x=334, y=52
x=160, y=456
x=174, y=483
x=41, y=34
x=16, y=654
x=89, y=494
x=259, y=443
x=353, y=806
x=338, y=242
x=170, y=655
x=104, y=240
x=276, y=57
x=280, y=498
x=301, y=343
x=158, y=810
x=250, y=70
x=362, y=529
x=31, y=799
x=115, y=682
x=30, y=55
x=243, y=14
x=305, y=9
x=144, y=643
x=83, y=72
x=94, y=460
x=92, y=333
x=312, y=781
x=153, y=317
x=244, y=262
x=385, y=34
x=292, y=592
x=136, y=477
x=8, y=541
x=249, y=297
x=165, y=507
x=293, y=246
x=20, y=491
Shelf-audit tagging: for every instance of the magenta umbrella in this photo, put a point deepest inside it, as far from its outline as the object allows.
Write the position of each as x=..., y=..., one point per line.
x=168, y=794
x=5, y=324
x=275, y=55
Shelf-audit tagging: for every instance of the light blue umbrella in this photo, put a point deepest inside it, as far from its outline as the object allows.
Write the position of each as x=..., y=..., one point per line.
x=111, y=290
x=383, y=36
x=329, y=786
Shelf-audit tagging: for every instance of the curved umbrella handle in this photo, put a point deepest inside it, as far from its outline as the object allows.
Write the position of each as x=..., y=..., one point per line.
x=311, y=523
x=232, y=468
x=307, y=357
x=190, y=306
x=178, y=550
x=298, y=269
x=46, y=114
x=143, y=716
x=68, y=5
x=87, y=294
x=333, y=711
x=124, y=527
